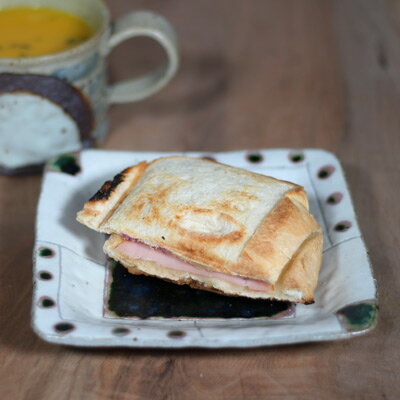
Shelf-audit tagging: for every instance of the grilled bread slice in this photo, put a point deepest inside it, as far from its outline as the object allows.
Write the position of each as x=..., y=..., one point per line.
x=211, y=226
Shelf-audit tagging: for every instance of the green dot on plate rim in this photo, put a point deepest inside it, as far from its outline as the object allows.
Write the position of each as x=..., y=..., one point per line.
x=176, y=334
x=342, y=226
x=296, y=157
x=46, y=276
x=46, y=302
x=255, y=157
x=120, y=331
x=46, y=252
x=64, y=327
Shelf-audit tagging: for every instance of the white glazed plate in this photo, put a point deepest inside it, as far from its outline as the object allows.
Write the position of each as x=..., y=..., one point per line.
x=71, y=277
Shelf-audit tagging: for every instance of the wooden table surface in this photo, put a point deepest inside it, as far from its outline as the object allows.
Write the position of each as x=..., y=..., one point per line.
x=254, y=74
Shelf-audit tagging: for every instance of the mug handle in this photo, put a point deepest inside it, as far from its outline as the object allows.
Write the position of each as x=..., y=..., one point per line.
x=144, y=23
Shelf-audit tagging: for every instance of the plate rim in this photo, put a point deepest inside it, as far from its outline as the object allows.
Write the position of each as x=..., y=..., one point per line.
x=71, y=339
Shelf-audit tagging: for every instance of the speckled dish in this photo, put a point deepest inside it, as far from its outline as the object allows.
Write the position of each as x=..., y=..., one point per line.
x=73, y=279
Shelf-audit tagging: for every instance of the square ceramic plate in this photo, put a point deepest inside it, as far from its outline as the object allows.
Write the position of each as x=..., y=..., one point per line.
x=71, y=275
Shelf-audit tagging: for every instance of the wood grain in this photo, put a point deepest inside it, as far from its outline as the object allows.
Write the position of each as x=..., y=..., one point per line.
x=289, y=73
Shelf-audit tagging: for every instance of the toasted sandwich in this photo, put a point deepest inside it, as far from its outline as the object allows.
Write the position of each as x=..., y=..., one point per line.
x=211, y=226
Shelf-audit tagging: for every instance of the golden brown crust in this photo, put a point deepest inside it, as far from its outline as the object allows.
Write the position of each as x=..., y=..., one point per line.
x=205, y=210
x=216, y=217
x=301, y=273
x=277, y=238
x=212, y=238
x=103, y=203
x=299, y=195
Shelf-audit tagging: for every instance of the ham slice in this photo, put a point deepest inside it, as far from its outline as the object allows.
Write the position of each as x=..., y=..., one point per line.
x=135, y=249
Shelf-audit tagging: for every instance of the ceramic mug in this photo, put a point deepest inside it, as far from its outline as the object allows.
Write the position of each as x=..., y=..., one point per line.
x=57, y=103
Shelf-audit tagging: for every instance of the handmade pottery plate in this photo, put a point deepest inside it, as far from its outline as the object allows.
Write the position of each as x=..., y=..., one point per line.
x=83, y=299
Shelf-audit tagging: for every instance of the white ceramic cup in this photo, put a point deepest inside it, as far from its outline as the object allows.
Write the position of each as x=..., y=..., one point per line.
x=57, y=103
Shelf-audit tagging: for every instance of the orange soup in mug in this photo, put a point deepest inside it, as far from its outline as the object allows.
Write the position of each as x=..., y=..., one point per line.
x=32, y=32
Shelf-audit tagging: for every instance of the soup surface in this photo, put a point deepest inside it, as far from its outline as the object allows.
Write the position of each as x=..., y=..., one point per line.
x=32, y=32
